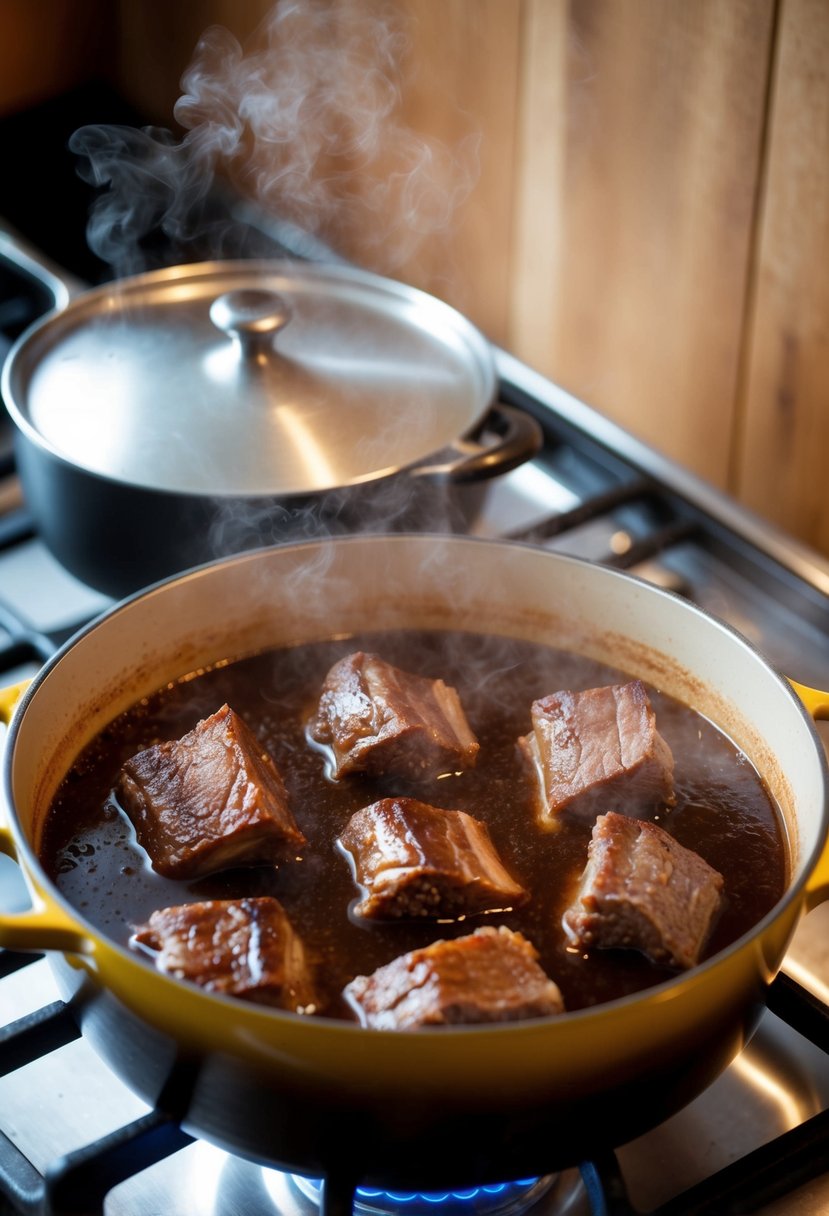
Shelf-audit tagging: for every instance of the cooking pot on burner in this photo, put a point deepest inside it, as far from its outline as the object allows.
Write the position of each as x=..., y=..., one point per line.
x=453, y=1106
x=189, y=413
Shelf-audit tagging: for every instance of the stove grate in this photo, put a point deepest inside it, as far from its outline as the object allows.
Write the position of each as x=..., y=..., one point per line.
x=80, y=1181
x=15, y=526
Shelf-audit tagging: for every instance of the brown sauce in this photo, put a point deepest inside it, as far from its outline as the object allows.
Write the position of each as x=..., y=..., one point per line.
x=723, y=810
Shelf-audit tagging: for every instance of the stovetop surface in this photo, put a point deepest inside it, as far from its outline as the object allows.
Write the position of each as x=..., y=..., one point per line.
x=594, y=491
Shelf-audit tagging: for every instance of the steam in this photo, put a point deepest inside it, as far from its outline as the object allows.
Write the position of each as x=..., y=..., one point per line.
x=302, y=130
x=394, y=504
x=305, y=124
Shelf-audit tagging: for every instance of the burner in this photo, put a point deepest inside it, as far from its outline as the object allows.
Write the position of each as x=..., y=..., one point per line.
x=499, y=1199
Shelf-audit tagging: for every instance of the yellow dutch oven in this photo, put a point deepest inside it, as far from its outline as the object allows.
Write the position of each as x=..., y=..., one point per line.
x=428, y=1109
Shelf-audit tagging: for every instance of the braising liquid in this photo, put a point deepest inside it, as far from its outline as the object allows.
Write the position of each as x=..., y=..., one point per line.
x=723, y=810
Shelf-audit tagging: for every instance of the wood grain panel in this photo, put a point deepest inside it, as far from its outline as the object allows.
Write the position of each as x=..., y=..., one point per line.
x=157, y=40
x=48, y=48
x=642, y=130
x=541, y=200
x=783, y=455
x=460, y=95
x=427, y=197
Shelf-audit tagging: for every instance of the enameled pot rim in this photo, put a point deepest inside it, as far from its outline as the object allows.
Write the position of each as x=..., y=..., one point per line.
x=656, y=994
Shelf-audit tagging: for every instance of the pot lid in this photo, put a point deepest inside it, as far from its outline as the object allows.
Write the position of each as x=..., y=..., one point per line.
x=250, y=378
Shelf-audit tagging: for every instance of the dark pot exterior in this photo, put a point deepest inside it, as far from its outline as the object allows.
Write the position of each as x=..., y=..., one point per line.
x=465, y=1104
x=119, y=538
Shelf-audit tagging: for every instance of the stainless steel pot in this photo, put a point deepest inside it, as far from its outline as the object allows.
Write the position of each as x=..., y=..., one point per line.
x=188, y=413
x=461, y=1105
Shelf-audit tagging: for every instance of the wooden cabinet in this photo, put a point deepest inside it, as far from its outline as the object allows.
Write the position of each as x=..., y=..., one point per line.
x=636, y=202
x=781, y=441
x=47, y=47
x=644, y=253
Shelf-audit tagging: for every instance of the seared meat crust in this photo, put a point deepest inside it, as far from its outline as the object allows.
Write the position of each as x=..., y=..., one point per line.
x=209, y=801
x=491, y=975
x=380, y=720
x=642, y=890
x=589, y=748
x=416, y=860
x=244, y=948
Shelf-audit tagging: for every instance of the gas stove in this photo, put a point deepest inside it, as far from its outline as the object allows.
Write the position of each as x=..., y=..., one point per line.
x=74, y=1140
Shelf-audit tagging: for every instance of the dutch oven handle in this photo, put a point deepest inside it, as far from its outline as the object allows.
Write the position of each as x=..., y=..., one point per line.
x=518, y=438
x=817, y=888
x=45, y=925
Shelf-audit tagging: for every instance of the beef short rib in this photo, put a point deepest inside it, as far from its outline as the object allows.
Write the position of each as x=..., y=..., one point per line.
x=209, y=801
x=491, y=975
x=589, y=749
x=643, y=890
x=244, y=948
x=382, y=721
x=416, y=860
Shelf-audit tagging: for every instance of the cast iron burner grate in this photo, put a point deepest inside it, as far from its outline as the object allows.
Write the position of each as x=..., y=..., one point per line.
x=80, y=1181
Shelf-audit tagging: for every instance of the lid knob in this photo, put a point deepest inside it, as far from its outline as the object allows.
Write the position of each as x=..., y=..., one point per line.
x=251, y=317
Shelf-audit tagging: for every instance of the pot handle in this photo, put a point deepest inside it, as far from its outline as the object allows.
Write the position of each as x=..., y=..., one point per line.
x=816, y=701
x=45, y=926
x=817, y=887
x=519, y=438
x=9, y=697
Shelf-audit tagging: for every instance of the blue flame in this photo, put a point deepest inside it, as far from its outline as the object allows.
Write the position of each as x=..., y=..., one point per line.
x=485, y=1198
